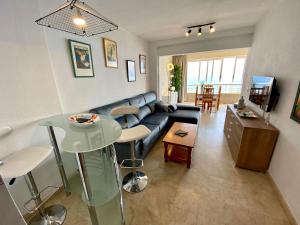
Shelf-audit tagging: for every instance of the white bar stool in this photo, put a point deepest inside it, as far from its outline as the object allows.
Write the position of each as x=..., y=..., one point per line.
x=135, y=181
x=21, y=163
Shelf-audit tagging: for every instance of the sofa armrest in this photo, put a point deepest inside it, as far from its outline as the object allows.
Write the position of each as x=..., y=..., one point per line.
x=188, y=107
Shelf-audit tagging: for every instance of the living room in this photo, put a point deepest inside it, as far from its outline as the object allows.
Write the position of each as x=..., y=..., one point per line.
x=122, y=69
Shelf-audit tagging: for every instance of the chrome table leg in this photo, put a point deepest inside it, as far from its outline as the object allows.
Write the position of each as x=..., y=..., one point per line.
x=118, y=178
x=86, y=187
x=59, y=161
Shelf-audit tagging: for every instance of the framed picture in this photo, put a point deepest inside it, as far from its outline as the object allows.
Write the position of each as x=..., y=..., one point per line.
x=296, y=108
x=110, y=53
x=131, y=76
x=81, y=54
x=142, y=64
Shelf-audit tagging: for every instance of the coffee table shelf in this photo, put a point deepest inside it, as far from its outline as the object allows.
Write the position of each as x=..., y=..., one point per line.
x=178, y=148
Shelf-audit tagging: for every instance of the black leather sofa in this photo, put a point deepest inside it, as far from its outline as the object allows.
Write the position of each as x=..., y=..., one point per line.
x=149, y=115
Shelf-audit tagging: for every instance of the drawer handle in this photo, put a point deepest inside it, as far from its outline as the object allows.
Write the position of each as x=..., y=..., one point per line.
x=229, y=129
x=230, y=123
x=228, y=136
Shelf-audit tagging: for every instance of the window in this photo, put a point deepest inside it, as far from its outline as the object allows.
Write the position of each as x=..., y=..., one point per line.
x=217, y=71
x=227, y=71
x=239, y=71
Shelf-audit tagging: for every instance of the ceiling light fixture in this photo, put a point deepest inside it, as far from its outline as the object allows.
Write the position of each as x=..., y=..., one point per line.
x=199, y=33
x=188, y=32
x=78, y=18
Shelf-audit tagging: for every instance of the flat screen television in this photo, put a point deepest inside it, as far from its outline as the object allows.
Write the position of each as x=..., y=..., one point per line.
x=263, y=92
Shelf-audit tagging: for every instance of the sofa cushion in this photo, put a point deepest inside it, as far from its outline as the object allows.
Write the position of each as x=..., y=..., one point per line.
x=151, y=105
x=188, y=107
x=144, y=111
x=106, y=110
x=138, y=100
x=131, y=119
x=158, y=118
x=150, y=97
x=184, y=116
x=149, y=141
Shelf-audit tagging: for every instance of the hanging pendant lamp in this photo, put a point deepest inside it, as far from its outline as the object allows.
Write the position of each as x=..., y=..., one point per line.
x=77, y=18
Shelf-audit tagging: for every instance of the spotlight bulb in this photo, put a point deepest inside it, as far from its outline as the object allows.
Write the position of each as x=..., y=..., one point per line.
x=199, y=32
x=212, y=29
x=188, y=32
x=78, y=19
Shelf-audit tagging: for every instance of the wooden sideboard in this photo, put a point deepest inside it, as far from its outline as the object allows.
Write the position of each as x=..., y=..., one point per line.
x=251, y=141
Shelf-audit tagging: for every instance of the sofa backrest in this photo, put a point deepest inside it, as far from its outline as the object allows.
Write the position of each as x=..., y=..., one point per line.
x=106, y=109
x=143, y=101
x=138, y=100
x=150, y=97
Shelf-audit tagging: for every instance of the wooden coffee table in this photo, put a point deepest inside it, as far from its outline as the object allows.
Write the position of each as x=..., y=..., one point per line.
x=180, y=148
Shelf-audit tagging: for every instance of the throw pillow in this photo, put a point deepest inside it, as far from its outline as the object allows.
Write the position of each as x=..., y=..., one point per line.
x=172, y=107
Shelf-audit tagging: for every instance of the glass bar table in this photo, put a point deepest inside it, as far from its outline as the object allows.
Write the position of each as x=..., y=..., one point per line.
x=97, y=165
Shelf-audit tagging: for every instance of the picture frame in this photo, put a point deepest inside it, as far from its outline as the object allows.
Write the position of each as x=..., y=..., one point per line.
x=295, y=115
x=110, y=50
x=82, y=60
x=131, y=74
x=142, y=62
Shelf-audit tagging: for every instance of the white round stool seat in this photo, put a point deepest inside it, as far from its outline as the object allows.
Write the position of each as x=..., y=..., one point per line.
x=133, y=134
x=22, y=162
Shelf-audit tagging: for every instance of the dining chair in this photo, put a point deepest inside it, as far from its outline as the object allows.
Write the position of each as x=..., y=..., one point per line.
x=217, y=98
x=208, y=97
x=198, y=96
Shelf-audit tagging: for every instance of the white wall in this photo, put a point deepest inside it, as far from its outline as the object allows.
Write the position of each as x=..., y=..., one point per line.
x=28, y=90
x=241, y=38
x=164, y=77
x=37, y=81
x=109, y=84
x=276, y=51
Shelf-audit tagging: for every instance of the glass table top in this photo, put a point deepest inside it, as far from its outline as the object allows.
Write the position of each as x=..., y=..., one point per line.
x=85, y=139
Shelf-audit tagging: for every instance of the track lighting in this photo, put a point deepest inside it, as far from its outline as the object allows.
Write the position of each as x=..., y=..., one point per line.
x=199, y=33
x=188, y=32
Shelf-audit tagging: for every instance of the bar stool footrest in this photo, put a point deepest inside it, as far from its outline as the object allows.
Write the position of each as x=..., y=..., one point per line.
x=132, y=164
x=32, y=200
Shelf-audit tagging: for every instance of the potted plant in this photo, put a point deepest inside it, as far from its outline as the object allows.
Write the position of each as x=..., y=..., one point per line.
x=176, y=79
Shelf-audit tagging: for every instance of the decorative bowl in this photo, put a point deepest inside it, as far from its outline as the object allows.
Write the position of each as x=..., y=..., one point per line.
x=83, y=119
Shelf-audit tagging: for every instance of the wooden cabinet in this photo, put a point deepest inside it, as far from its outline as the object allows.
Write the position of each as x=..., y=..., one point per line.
x=251, y=141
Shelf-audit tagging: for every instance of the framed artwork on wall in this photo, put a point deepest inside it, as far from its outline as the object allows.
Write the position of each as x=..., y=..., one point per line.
x=131, y=75
x=110, y=53
x=81, y=54
x=296, y=108
x=142, y=64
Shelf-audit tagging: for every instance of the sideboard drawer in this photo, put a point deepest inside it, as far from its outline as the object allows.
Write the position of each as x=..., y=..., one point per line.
x=250, y=141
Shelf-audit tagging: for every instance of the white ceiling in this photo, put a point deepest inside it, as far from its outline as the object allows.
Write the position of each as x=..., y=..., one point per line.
x=156, y=20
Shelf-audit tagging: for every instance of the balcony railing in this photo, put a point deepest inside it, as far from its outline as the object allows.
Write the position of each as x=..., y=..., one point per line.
x=226, y=88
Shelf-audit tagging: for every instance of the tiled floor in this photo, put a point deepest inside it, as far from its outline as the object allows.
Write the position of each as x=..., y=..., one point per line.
x=211, y=192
